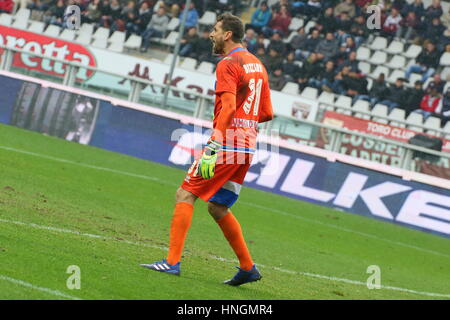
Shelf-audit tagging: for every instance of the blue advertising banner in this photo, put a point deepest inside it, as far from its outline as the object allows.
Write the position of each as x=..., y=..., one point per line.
x=286, y=172
x=47, y=110
x=134, y=133
x=9, y=89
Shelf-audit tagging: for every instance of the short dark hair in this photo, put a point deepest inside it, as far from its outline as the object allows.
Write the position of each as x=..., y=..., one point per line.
x=233, y=24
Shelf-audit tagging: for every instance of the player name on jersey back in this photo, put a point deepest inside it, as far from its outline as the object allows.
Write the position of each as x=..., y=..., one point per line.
x=244, y=123
x=252, y=67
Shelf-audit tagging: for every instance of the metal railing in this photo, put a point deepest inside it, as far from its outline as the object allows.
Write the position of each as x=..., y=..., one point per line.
x=338, y=133
x=136, y=83
x=438, y=131
x=202, y=105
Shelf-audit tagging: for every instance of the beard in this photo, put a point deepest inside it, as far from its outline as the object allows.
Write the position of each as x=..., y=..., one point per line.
x=218, y=47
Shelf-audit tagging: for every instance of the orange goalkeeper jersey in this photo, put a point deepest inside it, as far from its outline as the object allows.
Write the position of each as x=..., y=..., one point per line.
x=243, y=74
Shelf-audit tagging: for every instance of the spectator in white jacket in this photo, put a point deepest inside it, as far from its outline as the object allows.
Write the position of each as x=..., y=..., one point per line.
x=392, y=23
x=445, y=19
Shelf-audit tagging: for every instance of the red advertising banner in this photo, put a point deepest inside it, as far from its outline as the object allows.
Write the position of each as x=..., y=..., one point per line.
x=375, y=128
x=47, y=46
x=379, y=151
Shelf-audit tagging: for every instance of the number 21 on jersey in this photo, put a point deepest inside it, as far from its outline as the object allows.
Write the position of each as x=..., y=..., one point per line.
x=255, y=96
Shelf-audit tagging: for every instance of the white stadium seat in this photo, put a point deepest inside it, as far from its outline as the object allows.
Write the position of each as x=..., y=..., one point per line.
x=117, y=36
x=173, y=24
x=5, y=19
x=21, y=18
x=410, y=63
x=171, y=39
x=169, y=58
x=363, y=53
x=364, y=67
x=361, y=106
x=86, y=28
x=395, y=75
x=414, y=77
x=413, y=51
x=343, y=105
x=445, y=74
x=133, y=42
x=327, y=98
x=101, y=33
x=369, y=83
x=447, y=130
x=208, y=18
x=445, y=6
x=117, y=41
x=446, y=86
x=20, y=24
x=427, y=3
x=395, y=47
x=84, y=38
x=309, y=25
x=378, y=70
x=299, y=63
x=291, y=88
x=52, y=31
x=206, y=67
x=309, y=93
x=290, y=37
x=22, y=14
x=413, y=119
x=100, y=43
x=427, y=82
x=432, y=124
x=380, y=43
x=295, y=24
x=397, y=116
x=116, y=46
x=188, y=64
x=85, y=33
x=36, y=27
x=379, y=57
x=68, y=35
x=397, y=62
x=445, y=59
x=379, y=110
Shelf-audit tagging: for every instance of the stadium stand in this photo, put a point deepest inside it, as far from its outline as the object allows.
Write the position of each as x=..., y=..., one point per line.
x=398, y=50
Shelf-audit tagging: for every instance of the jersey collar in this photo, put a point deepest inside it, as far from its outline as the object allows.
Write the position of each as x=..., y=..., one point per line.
x=235, y=50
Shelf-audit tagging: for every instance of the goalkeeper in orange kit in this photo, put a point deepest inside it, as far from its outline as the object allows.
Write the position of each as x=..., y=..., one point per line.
x=242, y=101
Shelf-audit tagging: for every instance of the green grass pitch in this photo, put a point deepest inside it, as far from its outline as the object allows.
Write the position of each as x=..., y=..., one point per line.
x=64, y=204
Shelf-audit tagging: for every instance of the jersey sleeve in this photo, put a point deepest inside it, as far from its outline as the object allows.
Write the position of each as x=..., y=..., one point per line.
x=227, y=77
x=266, y=111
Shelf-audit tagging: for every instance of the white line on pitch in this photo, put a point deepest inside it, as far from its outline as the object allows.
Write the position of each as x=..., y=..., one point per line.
x=306, y=274
x=242, y=202
x=345, y=229
x=89, y=235
x=34, y=287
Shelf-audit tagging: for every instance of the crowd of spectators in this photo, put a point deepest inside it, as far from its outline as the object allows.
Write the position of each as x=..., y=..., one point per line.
x=146, y=18
x=324, y=57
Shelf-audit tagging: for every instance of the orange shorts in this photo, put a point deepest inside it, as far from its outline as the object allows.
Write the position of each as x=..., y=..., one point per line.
x=225, y=185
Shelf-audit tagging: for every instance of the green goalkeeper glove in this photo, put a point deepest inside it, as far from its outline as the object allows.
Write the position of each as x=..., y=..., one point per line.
x=207, y=163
